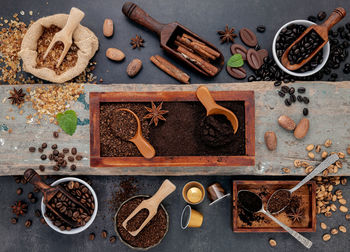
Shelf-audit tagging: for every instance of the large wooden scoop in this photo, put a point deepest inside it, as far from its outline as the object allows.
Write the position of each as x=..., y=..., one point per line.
x=213, y=108
x=151, y=205
x=168, y=34
x=322, y=30
x=49, y=193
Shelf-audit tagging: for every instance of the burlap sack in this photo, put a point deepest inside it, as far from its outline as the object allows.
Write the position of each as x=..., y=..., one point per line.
x=84, y=38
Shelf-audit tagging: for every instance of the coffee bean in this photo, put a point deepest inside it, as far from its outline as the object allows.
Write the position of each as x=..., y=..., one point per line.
x=79, y=157
x=301, y=90
x=287, y=102
x=293, y=98
x=280, y=93
x=239, y=49
x=71, y=159
x=56, y=168
x=74, y=151
x=40, y=150
x=33, y=200
x=291, y=90
x=41, y=168
x=306, y=100
x=32, y=149
x=251, y=78
x=55, y=134
x=254, y=59
x=65, y=150
x=260, y=28
x=19, y=191
x=36, y=189
x=42, y=220
x=14, y=220
x=37, y=213
x=104, y=234
x=91, y=236
x=248, y=37
x=28, y=223
x=312, y=19
x=112, y=239
x=305, y=111
x=55, y=152
x=62, y=228
x=54, y=146
x=30, y=195
x=43, y=157
x=51, y=156
x=321, y=15
x=71, y=185
x=64, y=164
x=44, y=145
x=277, y=83
x=73, y=167
x=285, y=89
x=236, y=72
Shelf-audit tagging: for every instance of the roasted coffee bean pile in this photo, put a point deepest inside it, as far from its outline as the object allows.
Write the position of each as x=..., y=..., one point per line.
x=58, y=157
x=304, y=48
x=70, y=210
x=293, y=97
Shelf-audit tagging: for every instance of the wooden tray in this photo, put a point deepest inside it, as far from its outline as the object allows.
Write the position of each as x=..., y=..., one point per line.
x=308, y=198
x=97, y=161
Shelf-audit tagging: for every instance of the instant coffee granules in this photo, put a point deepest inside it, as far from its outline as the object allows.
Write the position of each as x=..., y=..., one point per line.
x=278, y=201
x=153, y=232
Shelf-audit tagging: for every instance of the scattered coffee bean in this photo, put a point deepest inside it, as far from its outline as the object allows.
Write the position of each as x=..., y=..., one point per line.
x=41, y=150
x=56, y=168
x=30, y=195
x=305, y=111
x=104, y=234
x=112, y=239
x=293, y=98
x=33, y=200
x=44, y=145
x=261, y=28
x=236, y=72
x=91, y=236
x=291, y=90
x=287, y=102
x=263, y=53
x=19, y=191
x=300, y=98
x=71, y=159
x=65, y=150
x=14, y=220
x=43, y=157
x=254, y=59
x=37, y=213
x=73, y=167
x=41, y=168
x=74, y=151
x=55, y=152
x=301, y=90
x=42, y=220
x=277, y=83
x=321, y=15
x=55, y=134
x=248, y=37
x=32, y=149
x=54, y=146
x=79, y=157
x=306, y=100
x=51, y=156
x=280, y=93
x=28, y=223
x=251, y=78
x=239, y=49
x=285, y=89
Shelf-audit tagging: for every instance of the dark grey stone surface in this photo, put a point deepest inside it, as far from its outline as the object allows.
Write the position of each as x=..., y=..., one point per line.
x=204, y=18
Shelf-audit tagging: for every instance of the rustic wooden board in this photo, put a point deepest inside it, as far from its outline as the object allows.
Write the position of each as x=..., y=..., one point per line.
x=329, y=118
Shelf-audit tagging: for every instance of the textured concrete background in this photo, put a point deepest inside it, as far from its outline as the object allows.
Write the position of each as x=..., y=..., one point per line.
x=205, y=18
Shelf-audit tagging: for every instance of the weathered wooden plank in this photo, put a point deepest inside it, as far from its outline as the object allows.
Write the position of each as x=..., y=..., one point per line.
x=329, y=118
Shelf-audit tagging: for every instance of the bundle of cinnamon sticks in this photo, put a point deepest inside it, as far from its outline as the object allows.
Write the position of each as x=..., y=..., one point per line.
x=197, y=52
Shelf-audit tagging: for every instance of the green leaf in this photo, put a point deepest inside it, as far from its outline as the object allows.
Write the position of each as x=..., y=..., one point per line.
x=236, y=60
x=68, y=121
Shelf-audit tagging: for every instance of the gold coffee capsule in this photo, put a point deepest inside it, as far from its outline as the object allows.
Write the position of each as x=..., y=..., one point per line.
x=193, y=192
x=191, y=218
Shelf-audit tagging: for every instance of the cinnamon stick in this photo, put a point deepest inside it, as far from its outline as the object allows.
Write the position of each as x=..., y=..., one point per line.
x=170, y=69
x=201, y=44
x=178, y=43
x=195, y=46
x=206, y=66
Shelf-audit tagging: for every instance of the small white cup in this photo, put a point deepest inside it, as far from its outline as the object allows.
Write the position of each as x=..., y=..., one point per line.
x=73, y=230
x=326, y=51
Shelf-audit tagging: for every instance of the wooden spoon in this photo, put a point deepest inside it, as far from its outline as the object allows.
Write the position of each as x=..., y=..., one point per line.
x=141, y=143
x=213, y=108
x=65, y=35
x=151, y=205
x=322, y=30
x=49, y=193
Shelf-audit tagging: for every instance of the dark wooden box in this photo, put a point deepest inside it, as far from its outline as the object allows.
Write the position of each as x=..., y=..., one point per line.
x=100, y=97
x=306, y=192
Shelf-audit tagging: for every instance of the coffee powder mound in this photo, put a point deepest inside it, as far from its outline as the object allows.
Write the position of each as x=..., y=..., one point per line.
x=152, y=233
x=278, y=201
x=125, y=189
x=124, y=124
x=216, y=130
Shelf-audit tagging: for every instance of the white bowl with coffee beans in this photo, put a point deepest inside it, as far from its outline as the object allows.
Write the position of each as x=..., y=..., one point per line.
x=286, y=32
x=83, y=192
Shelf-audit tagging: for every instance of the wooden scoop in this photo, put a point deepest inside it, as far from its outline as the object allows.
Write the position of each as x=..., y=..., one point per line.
x=49, y=193
x=65, y=35
x=168, y=34
x=322, y=30
x=141, y=143
x=213, y=108
x=151, y=205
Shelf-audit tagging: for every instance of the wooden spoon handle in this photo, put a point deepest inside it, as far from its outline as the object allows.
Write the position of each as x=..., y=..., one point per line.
x=204, y=96
x=144, y=146
x=34, y=178
x=135, y=13
x=75, y=16
x=164, y=191
x=337, y=15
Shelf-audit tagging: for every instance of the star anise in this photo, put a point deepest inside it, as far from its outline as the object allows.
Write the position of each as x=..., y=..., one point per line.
x=137, y=42
x=227, y=35
x=155, y=113
x=296, y=215
x=17, y=96
x=19, y=208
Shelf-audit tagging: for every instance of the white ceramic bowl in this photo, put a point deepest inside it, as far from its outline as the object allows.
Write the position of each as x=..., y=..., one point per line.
x=73, y=230
x=326, y=51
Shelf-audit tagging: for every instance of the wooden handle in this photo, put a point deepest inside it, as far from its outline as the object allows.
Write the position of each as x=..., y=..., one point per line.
x=145, y=148
x=337, y=15
x=34, y=178
x=204, y=96
x=135, y=13
x=74, y=19
x=164, y=191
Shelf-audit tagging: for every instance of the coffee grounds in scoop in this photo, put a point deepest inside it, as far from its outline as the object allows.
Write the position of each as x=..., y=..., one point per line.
x=278, y=201
x=250, y=201
x=124, y=125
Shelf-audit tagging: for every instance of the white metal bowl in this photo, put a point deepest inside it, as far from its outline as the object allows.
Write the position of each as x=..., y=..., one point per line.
x=73, y=230
x=326, y=51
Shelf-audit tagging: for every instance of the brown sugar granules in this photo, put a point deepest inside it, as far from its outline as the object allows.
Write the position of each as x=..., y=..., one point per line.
x=52, y=58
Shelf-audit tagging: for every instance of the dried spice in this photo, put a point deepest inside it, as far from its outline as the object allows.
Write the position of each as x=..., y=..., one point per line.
x=155, y=113
x=17, y=96
x=19, y=208
x=227, y=35
x=297, y=215
x=137, y=42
